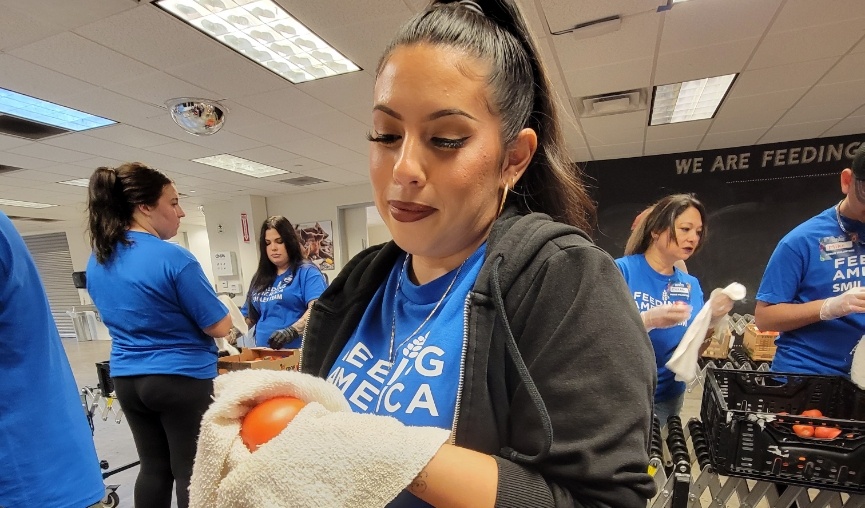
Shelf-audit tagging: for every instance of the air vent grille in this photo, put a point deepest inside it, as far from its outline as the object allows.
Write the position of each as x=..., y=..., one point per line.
x=27, y=129
x=612, y=103
x=302, y=181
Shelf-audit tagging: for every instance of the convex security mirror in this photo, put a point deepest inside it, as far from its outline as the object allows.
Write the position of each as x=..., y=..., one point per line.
x=201, y=117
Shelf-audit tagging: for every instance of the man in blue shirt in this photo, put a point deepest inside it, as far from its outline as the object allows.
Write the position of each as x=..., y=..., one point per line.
x=46, y=447
x=812, y=291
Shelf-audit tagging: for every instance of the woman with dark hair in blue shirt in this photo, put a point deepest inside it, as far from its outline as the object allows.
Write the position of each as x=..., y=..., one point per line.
x=283, y=288
x=162, y=315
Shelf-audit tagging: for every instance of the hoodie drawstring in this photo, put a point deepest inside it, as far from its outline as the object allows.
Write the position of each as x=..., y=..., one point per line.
x=516, y=357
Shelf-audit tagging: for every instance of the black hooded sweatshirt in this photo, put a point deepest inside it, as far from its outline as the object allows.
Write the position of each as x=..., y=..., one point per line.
x=559, y=374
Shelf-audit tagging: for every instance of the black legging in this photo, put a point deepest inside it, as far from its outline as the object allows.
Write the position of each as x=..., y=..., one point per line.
x=164, y=413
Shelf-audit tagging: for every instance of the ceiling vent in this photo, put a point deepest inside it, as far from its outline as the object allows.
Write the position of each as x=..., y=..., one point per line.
x=302, y=181
x=612, y=103
x=27, y=129
x=4, y=169
x=32, y=219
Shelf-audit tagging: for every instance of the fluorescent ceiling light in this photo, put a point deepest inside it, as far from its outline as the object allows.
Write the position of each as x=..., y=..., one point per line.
x=239, y=165
x=263, y=32
x=24, y=106
x=679, y=1
x=24, y=204
x=81, y=182
x=689, y=100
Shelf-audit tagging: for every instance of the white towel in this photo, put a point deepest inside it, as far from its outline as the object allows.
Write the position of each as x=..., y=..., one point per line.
x=237, y=321
x=857, y=369
x=327, y=456
x=684, y=360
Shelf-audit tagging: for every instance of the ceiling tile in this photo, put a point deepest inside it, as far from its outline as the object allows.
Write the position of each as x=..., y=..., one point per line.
x=754, y=111
x=323, y=151
x=49, y=153
x=324, y=123
x=812, y=43
x=677, y=145
x=7, y=142
x=229, y=75
x=617, y=151
x=606, y=130
x=615, y=77
x=158, y=87
x=273, y=133
x=151, y=36
x=849, y=125
x=802, y=13
x=685, y=26
x=635, y=40
x=77, y=13
x=80, y=58
x=825, y=102
x=564, y=14
x=19, y=26
x=793, y=132
x=30, y=79
x=677, y=130
x=130, y=136
x=849, y=68
x=714, y=140
x=703, y=62
x=344, y=90
x=781, y=77
x=117, y=107
x=266, y=155
x=184, y=150
x=284, y=104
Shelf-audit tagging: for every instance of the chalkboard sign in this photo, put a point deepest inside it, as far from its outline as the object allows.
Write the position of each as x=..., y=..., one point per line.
x=754, y=195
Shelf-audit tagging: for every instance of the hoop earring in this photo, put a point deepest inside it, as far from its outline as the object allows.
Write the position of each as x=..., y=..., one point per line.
x=504, y=198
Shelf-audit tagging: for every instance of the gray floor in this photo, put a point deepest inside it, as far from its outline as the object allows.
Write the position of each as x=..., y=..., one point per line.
x=113, y=440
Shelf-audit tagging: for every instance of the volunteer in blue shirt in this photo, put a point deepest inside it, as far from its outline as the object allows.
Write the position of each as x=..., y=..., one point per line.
x=46, y=447
x=283, y=288
x=812, y=287
x=162, y=315
x=668, y=298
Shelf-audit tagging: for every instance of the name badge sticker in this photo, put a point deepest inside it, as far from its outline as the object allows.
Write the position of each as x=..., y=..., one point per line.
x=678, y=292
x=834, y=247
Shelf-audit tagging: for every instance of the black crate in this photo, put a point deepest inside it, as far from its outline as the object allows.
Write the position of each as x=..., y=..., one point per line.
x=748, y=438
x=103, y=373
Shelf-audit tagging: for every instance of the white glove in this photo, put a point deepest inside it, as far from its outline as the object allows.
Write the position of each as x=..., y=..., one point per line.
x=849, y=302
x=665, y=316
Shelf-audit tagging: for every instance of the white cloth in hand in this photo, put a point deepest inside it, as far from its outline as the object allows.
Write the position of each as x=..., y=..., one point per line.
x=327, y=456
x=848, y=302
x=684, y=360
x=721, y=305
x=857, y=369
x=665, y=316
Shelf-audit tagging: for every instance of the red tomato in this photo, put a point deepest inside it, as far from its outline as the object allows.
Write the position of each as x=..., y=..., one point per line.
x=813, y=413
x=263, y=422
x=804, y=430
x=826, y=432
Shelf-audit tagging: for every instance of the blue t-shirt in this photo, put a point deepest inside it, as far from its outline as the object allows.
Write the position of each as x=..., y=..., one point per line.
x=814, y=261
x=46, y=448
x=651, y=289
x=285, y=302
x=422, y=387
x=155, y=300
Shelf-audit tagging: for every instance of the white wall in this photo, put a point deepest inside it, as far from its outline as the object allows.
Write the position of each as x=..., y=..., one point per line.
x=321, y=206
x=199, y=246
x=378, y=233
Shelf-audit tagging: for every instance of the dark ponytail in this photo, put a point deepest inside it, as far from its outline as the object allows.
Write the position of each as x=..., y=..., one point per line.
x=112, y=197
x=521, y=92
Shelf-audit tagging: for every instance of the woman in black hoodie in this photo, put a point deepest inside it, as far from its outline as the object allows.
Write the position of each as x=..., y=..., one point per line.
x=491, y=313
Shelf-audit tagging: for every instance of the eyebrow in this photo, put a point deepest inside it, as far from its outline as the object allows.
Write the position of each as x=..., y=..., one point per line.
x=433, y=116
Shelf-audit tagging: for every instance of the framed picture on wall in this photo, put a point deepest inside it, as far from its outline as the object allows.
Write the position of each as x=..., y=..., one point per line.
x=317, y=239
